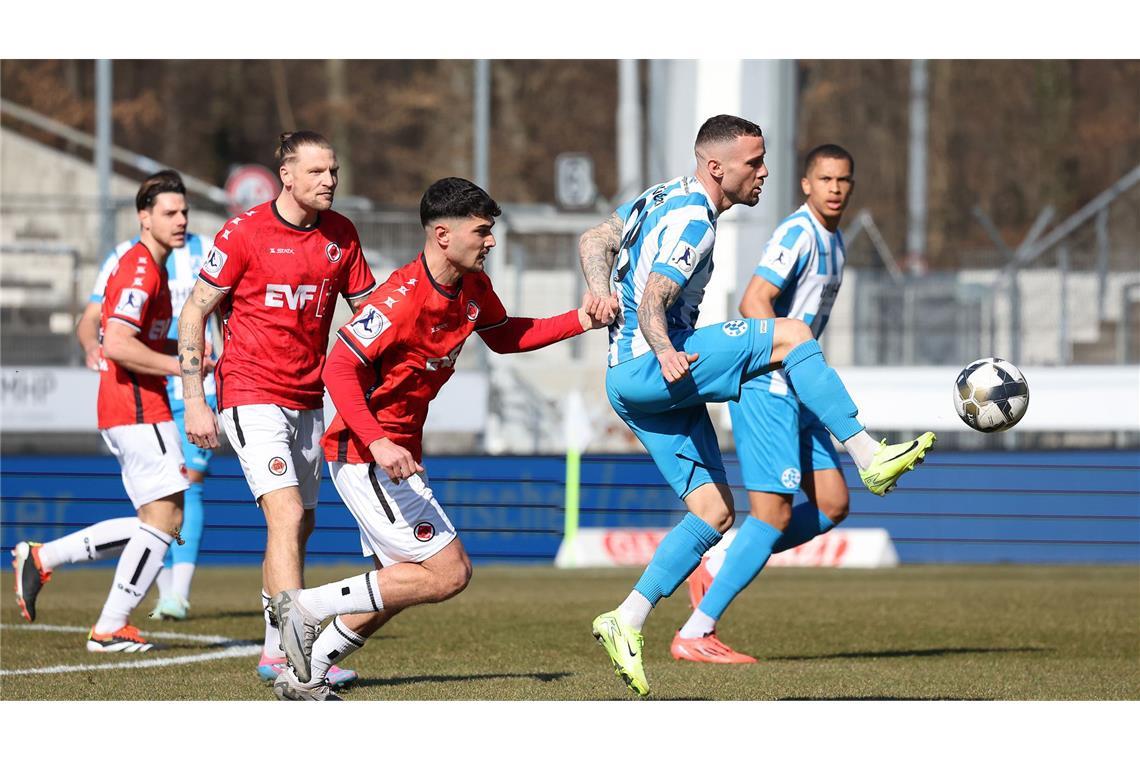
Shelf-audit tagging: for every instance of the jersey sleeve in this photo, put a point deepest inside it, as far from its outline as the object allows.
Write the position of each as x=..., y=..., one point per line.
x=491, y=312
x=132, y=297
x=226, y=261
x=360, y=281
x=105, y=269
x=682, y=247
x=785, y=255
x=370, y=330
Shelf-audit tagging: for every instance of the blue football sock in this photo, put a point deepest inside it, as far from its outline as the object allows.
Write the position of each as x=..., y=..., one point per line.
x=819, y=389
x=191, y=531
x=743, y=561
x=677, y=555
x=807, y=522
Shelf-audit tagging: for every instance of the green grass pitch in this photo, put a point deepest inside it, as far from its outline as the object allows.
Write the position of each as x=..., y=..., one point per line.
x=523, y=633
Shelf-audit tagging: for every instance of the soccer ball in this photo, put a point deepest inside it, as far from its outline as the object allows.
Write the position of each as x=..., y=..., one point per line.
x=991, y=395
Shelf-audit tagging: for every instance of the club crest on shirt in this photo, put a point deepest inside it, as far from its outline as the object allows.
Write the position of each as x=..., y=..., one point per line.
x=424, y=531
x=277, y=466
x=214, y=261
x=790, y=478
x=684, y=260
x=735, y=328
x=369, y=324
x=472, y=311
x=131, y=302
x=332, y=250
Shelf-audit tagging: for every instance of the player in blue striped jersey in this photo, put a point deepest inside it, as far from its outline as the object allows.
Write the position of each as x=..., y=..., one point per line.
x=182, y=268
x=656, y=252
x=782, y=446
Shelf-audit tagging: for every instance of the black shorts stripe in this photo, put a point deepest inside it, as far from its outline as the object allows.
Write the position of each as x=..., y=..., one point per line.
x=158, y=435
x=142, y=564
x=380, y=495
x=237, y=426
x=111, y=545
x=138, y=397
x=342, y=445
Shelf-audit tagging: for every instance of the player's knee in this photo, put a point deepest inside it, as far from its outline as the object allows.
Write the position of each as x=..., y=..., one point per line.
x=787, y=334
x=836, y=507
x=453, y=579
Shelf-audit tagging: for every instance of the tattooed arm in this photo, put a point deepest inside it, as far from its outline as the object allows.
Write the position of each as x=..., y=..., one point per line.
x=596, y=249
x=201, y=426
x=660, y=293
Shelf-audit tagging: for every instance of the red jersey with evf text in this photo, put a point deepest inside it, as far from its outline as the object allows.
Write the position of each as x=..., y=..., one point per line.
x=282, y=282
x=136, y=295
x=411, y=331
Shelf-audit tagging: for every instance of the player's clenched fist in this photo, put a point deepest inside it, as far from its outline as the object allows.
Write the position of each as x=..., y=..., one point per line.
x=675, y=364
x=201, y=424
x=597, y=311
x=394, y=459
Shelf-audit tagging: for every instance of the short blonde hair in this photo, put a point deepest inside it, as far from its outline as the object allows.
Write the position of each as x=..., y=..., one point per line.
x=289, y=143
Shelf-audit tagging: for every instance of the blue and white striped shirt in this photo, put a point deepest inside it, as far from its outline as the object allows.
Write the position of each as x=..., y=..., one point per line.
x=669, y=229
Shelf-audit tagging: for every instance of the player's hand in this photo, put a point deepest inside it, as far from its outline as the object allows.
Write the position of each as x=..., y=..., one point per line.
x=93, y=358
x=597, y=311
x=675, y=364
x=201, y=424
x=395, y=460
x=208, y=365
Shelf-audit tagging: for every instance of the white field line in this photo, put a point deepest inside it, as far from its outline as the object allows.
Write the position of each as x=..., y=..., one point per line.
x=230, y=648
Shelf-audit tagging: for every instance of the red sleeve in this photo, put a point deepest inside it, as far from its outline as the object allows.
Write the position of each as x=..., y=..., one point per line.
x=492, y=313
x=130, y=294
x=516, y=334
x=346, y=378
x=360, y=281
x=226, y=261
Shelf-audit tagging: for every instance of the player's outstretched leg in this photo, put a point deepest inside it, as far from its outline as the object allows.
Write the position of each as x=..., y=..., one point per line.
x=139, y=564
x=820, y=389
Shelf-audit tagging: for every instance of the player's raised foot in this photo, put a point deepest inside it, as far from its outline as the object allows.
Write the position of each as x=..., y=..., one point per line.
x=623, y=645
x=699, y=582
x=707, y=648
x=127, y=639
x=270, y=667
x=288, y=689
x=892, y=461
x=299, y=629
x=30, y=577
x=171, y=607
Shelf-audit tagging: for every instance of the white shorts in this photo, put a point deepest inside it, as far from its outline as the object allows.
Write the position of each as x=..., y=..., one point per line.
x=398, y=523
x=150, y=456
x=278, y=448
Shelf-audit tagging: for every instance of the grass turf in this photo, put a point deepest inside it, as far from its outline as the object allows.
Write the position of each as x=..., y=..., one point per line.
x=523, y=633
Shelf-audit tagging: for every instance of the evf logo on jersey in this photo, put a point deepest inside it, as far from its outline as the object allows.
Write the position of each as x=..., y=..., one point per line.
x=214, y=262
x=684, y=260
x=368, y=326
x=279, y=296
x=131, y=302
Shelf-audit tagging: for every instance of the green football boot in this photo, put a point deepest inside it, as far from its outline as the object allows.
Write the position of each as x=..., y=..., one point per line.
x=623, y=645
x=890, y=462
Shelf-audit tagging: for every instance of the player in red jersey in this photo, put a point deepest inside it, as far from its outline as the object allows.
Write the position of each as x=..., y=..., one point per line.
x=278, y=268
x=390, y=361
x=135, y=420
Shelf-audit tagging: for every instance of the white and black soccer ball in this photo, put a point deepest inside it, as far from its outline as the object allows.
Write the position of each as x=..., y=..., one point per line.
x=991, y=395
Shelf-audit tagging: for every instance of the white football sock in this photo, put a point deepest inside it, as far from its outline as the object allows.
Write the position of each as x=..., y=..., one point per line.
x=99, y=541
x=634, y=610
x=336, y=642
x=716, y=559
x=272, y=647
x=862, y=448
x=699, y=624
x=141, y=560
x=361, y=593
x=164, y=581
x=182, y=575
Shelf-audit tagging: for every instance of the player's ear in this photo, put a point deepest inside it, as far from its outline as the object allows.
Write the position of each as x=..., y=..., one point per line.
x=805, y=185
x=144, y=219
x=285, y=175
x=441, y=233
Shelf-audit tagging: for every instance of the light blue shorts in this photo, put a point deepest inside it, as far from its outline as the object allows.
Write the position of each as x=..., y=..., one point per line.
x=670, y=419
x=778, y=440
x=196, y=459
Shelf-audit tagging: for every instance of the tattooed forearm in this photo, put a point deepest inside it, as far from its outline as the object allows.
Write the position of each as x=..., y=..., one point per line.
x=597, y=248
x=191, y=341
x=660, y=293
